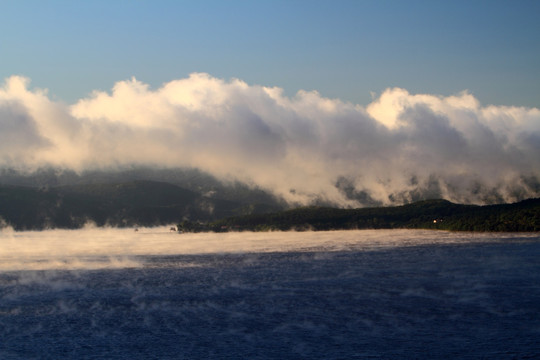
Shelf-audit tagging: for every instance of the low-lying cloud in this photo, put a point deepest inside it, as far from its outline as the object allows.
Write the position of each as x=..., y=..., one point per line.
x=305, y=149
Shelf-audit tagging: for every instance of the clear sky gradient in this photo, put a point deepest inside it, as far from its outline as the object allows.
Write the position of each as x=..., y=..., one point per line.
x=342, y=49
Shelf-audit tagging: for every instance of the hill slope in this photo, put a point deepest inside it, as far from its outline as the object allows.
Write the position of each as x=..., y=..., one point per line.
x=430, y=214
x=142, y=203
x=150, y=203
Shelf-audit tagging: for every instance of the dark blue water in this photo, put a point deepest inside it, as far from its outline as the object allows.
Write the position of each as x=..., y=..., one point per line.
x=430, y=301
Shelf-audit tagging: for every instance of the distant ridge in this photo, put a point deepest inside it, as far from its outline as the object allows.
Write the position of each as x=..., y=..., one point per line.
x=124, y=204
x=428, y=214
x=153, y=203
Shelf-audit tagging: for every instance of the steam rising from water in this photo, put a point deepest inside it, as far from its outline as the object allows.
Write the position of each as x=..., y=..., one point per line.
x=110, y=248
x=268, y=295
x=308, y=148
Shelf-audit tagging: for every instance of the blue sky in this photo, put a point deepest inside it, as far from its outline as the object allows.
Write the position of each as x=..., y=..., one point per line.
x=342, y=49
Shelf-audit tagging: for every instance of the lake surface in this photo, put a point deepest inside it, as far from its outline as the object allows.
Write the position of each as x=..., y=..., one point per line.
x=373, y=294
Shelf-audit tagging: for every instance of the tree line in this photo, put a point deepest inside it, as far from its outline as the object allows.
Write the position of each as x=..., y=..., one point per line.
x=430, y=214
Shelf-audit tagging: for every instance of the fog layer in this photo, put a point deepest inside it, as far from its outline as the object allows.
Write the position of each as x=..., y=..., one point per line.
x=97, y=248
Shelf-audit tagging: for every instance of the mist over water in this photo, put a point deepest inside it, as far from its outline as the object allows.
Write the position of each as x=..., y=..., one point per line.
x=121, y=294
x=96, y=247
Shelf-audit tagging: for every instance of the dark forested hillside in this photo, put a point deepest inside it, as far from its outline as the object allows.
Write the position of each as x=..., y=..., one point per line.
x=142, y=203
x=150, y=203
x=430, y=214
x=185, y=178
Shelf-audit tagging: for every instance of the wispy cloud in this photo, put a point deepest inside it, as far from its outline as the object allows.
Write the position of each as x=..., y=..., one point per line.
x=307, y=148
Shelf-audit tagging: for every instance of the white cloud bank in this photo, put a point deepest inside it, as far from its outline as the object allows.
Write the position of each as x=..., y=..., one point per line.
x=307, y=148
